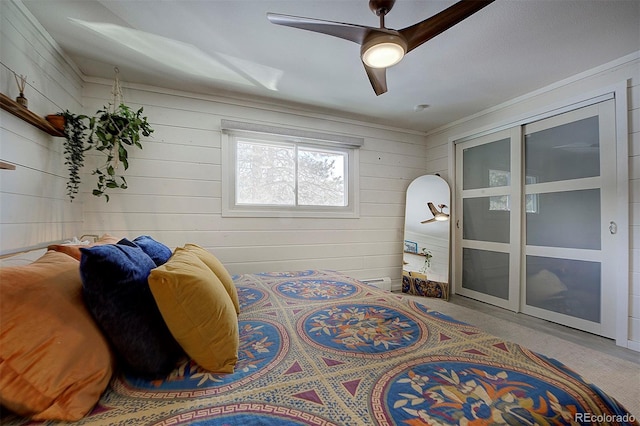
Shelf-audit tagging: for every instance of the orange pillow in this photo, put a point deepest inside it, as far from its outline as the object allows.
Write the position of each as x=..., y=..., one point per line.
x=73, y=250
x=54, y=361
x=197, y=310
x=218, y=268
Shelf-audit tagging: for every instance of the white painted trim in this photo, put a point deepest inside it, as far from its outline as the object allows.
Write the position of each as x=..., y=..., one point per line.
x=330, y=139
x=227, y=160
x=622, y=257
x=572, y=185
x=495, y=191
x=486, y=246
x=517, y=219
x=565, y=253
x=451, y=173
x=566, y=320
x=486, y=298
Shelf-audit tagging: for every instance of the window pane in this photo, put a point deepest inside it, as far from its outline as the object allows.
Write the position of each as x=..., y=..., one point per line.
x=566, y=219
x=486, y=165
x=321, y=178
x=265, y=174
x=570, y=151
x=570, y=287
x=484, y=219
x=486, y=272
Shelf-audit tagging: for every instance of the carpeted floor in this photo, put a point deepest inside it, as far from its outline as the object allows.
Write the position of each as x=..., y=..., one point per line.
x=613, y=369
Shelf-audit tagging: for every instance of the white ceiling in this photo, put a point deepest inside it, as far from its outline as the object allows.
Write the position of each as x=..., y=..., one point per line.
x=508, y=49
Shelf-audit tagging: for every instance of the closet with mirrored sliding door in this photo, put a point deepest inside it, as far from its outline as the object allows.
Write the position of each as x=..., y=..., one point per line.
x=536, y=217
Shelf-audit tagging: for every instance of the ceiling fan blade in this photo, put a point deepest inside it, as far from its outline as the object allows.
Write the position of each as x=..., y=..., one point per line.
x=429, y=221
x=378, y=79
x=440, y=22
x=351, y=32
x=433, y=209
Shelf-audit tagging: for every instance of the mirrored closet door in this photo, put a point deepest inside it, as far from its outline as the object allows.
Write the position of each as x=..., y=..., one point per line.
x=534, y=222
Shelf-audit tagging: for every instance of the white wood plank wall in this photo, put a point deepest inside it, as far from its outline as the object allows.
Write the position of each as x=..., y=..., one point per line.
x=33, y=204
x=175, y=188
x=175, y=181
x=634, y=215
x=626, y=71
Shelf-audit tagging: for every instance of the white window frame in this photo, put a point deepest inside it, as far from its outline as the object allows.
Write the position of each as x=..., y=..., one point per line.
x=232, y=131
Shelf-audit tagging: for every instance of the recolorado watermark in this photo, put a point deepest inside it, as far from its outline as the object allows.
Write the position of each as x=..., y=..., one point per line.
x=604, y=418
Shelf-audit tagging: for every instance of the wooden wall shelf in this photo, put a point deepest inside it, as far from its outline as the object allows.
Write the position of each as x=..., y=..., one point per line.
x=23, y=113
x=7, y=166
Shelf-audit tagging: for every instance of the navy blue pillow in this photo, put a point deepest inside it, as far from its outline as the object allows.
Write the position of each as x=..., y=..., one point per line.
x=116, y=292
x=157, y=251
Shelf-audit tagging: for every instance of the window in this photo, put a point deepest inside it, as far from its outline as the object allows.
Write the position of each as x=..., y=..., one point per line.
x=289, y=174
x=274, y=172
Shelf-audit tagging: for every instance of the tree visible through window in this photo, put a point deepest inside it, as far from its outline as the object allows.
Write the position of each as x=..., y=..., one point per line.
x=290, y=174
x=321, y=178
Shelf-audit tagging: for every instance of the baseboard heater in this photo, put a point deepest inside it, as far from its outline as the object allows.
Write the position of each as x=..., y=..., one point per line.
x=382, y=282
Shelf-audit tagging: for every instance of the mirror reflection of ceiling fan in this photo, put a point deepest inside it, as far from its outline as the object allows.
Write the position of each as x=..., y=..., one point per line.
x=383, y=47
x=438, y=215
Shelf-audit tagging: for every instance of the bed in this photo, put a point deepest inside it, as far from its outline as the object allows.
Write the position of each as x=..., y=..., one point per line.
x=318, y=347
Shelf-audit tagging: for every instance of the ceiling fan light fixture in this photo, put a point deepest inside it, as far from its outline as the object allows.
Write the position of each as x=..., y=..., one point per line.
x=383, y=51
x=441, y=217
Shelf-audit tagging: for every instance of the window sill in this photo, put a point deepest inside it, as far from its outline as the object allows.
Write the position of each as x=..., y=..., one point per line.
x=283, y=212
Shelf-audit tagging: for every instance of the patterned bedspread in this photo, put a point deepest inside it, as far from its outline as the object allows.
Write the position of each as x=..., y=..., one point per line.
x=320, y=348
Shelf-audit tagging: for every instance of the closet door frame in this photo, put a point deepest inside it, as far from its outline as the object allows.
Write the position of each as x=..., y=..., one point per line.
x=512, y=248
x=605, y=183
x=618, y=92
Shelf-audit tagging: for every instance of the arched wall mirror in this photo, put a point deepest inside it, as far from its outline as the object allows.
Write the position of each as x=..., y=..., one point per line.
x=425, y=269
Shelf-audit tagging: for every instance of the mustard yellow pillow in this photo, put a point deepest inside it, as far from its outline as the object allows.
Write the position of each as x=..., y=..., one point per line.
x=218, y=268
x=54, y=361
x=197, y=310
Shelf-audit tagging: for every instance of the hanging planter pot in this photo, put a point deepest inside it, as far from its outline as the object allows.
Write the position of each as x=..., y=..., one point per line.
x=57, y=121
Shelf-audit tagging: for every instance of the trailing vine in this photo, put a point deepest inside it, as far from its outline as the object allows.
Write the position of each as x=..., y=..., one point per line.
x=75, y=132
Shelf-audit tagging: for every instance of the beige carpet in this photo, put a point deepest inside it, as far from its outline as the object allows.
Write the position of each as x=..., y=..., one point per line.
x=614, y=370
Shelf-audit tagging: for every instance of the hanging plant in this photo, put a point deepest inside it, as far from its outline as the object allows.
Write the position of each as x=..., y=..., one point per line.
x=427, y=260
x=112, y=132
x=75, y=133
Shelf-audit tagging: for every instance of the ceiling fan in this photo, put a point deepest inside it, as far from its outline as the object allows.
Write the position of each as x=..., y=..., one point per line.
x=438, y=215
x=383, y=47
